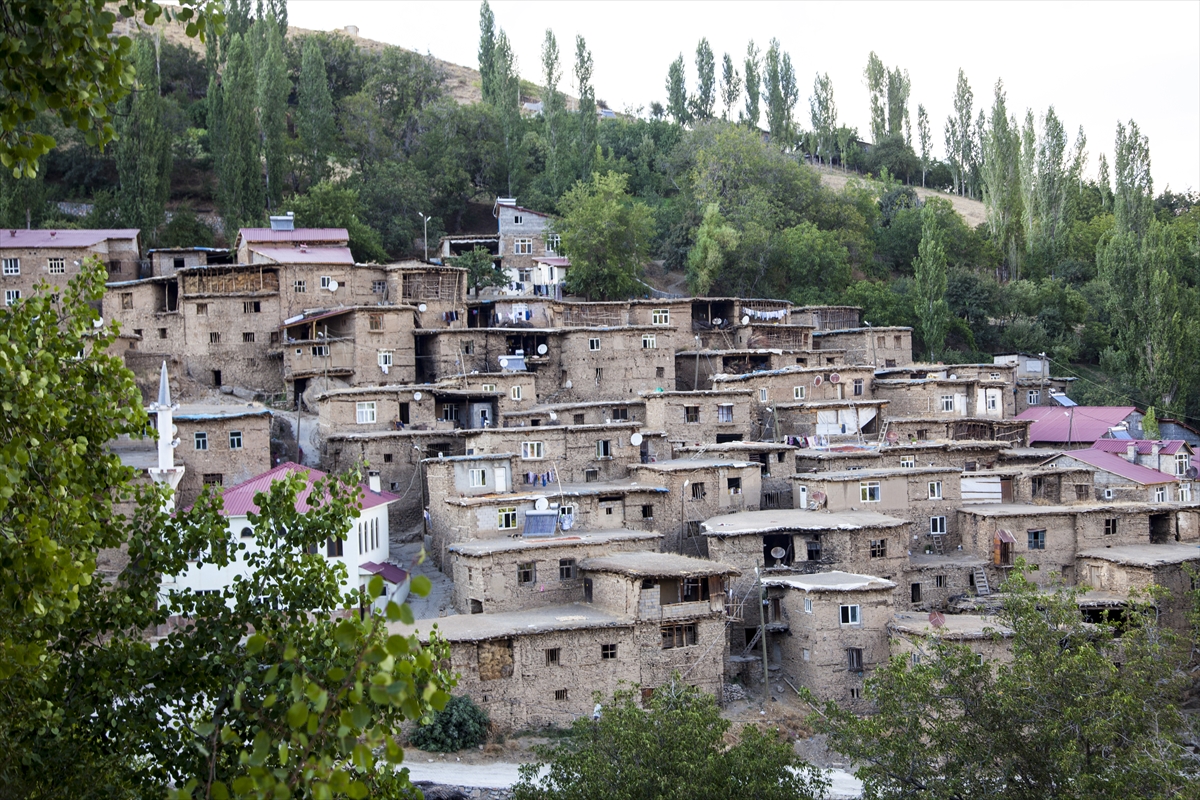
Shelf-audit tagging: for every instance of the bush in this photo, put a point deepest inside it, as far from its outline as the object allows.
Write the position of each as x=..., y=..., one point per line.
x=459, y=725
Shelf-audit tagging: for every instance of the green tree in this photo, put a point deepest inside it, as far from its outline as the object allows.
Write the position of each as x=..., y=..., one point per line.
x=586, y=144
x=898, y=87
x=753, y=72
x=1003, y=166
x=677, y=99
x=143, y=152
x=1133, y=194
x=779, y=83
x=731, y=86
x=329, y=205
x=481, y=269
x=669, y=748
x=924, y=141
x=487, y=52
x=70, y=65
x=552, y=112
x=705, y=100
x=716, y=240
x=240, y=185
x=273, y=88
x=607, y=236
x=960, y=152
x=185, y=230
x=823, y=112
x=1083, y=710
x=876, y=76
x=506, y=84
x=1150, y=424
x=315, y=126
x=929, y=286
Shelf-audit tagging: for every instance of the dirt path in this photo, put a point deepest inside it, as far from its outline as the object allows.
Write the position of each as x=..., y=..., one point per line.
x=439, y=602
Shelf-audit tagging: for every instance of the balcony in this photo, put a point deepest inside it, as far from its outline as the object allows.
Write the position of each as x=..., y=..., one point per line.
x=700, y=608
x=325, y=357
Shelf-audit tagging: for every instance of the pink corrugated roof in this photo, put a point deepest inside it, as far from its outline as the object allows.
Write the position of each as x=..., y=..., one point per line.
x=1082, y=424
x=1111, y=462
x=1145, y=447
x=239, y=500
x=297, y=235
x=306, y=255
x=390, y=572
x=19, y=238
x=554, y=261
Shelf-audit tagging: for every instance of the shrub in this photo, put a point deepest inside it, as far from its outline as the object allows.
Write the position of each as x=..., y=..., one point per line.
x=459, y=725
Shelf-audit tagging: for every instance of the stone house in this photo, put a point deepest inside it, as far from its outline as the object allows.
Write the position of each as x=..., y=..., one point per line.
x=696, y=367
x=1119, y=479
x=265, y=245
x=945, y=427
x=911, y=636
x=166, y=261
x=361, y=345
x=811, y=424
x=886, y=347
x=594, y=412
x=775, y=460
x=221, y=445
x=1172, y=456
x=791, y=384
x=948, y=393
x=523, y=234
x=1035, y=385
x=693, y=418
x=934, y=581
x=1056, y=486
x=1124, y=569
x=438, y=292
x=966, y=455
x=30, y=257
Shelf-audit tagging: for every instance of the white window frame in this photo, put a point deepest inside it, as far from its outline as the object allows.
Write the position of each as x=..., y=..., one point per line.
x=385, y=358
x=553, y=243
x=515, y=392
x=937, y=525
x=808, y=605
x=993, y=401
x=867, y=488
x=488, y=387
x=1182, y=462
x=798, y=392
x=649, y=341
x=200, y=440
x=935, y=490
x=533, y=451
x=660, y=316
x=300, y=287
x=1108, y=494
x=763, y=393
x=477, y=477
x=11, y=296
x=1033, y=397
x=518, y=219
x=850, y=615
x=506, y=518
x=594, y=344
x=320, y=350
x=326, y=280
x=523, y=246
x=1161, y=494
x=604, y=449
x=12, y=266
x=1185, y=492
x=908, y=462
x=56, y=266
x=364, y=413
x=947, y=403
x=725, y=412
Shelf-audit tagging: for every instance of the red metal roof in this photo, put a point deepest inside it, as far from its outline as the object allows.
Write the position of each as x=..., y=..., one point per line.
x=1111, y=462
x=239, y=500
x=1145, y=447
x=297, y=235
x=390, y=572
x=1082, y=424
x=20, y=238
x=306, y=255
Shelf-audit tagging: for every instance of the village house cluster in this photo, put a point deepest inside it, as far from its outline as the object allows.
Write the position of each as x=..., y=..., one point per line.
x=623, y=490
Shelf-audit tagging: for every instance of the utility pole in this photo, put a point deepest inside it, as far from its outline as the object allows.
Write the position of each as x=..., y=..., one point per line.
x=762, y=618
x=1043, y=368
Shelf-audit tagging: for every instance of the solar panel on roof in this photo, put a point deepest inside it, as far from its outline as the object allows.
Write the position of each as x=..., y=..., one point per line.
x=1063, y=400
x=540, y=523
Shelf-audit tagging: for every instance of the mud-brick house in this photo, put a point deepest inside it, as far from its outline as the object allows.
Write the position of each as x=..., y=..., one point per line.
x=1135, y=568
x=361, y=345
x=1121, y=478
x=283, y=242
x=29, y=257
x=912, y=636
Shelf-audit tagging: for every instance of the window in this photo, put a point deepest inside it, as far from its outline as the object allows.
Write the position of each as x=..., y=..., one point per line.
x=1037, y=540
x=553, y=243
x=947, y=402
x=599, y=374
x=734, y=485
x=56, y=266
x=488, y=387
x=908, y=462
x=937, y=525
x=854, y=659
x=691, y=414
x=763, y=393
x=868, y=491
x=365, y=413
x=1160, y=494
x=235, y=440
x=162, y=333
x=523, y=247
x=477, y=478
x=594, y=344
x=252, y=307
x=577, y=419
x=916, y=657
x=619, y=414
x=808, y=605
x=992, y=401
x=299, y=287
x=326, y=281
x=725, y=412
x=214, y=479
x=274, y=337
x=200, y=440
x=879, y=548
x=1185, y=493
x=698, y=492
x=604, y=448
x=608, y=652
x=515, y=393
x=387, y=458
x=247, y=337
x=384, y=357
x=533, y=450
x=375, y=322
x=334, y=547
x=915, y=593
x=939, y=581
x=855, y=693
x=518, y=219
x=935, y=490
x=858, y=387
x=11, y=296
x=1182, y=462
x=201, y=309
x=214, y=337
x=1108, y=494
x=553, y=656
x=12, y=266
x=849, y=615
x=378, y=287
x=247, y=533
x=560, y=695
x=320, y=350
x=524, y=276
x=591, y=475
x=648, y=512
x=566, y=569
x=1110, y=526
x=1033, y=396
x=881, y=341
x=798, y=392
x=678, y=636
x=994, y=376
x=506, y=519
x=660, y=316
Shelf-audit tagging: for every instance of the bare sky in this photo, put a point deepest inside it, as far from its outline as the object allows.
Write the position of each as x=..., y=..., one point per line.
x=1095, y=62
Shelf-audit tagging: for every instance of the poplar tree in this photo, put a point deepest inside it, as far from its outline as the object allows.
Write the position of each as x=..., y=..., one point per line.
x=506, y=83
x=779, y=82
x=898, y=87
x=143, y=152
x=823, y=112
x=929, y=285
x=586, y=153
x=705, y=99
x=924, y=141
x=958, y=133
x=273, y=89
x=1133, y=190
x=240, y=169
x=731, y=86
x=1051, y=192
x=876, y=76
x=552, y=108
x=1002, y=171
x=753, y=65
x=314, y=113
x=487, y=52
x=677, y=100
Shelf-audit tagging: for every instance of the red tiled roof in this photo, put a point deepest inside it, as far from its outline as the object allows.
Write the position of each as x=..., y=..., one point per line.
x=239, y=500
x=20, y=238
x=297, y=235
x=1145, y=447
x=1082, y=424
x=306, y=255
x=1111, y=462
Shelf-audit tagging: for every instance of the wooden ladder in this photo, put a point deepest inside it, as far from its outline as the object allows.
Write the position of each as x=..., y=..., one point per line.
x=750, y=647
x=937, y=544
x=981, y=582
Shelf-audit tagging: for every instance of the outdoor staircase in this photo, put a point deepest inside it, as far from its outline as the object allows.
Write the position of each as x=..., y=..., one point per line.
x=981, y=583
x=937, y=544
x=750, y=646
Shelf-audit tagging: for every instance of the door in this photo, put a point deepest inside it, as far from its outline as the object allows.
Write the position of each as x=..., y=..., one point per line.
x=587, y=590
x=1006, y=493
x=802, y=497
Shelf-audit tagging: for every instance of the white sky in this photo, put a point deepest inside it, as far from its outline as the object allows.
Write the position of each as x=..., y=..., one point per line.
x=1096, y=62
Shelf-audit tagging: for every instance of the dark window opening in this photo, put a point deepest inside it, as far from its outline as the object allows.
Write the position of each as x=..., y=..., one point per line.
x=778, y=550
x=916, y=593
x=854, y=659
x=695, y=590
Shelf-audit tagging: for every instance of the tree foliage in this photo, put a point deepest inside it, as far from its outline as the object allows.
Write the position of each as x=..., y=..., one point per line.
x=461, y=724
x=143, y=151
x=481, y=269
x=607, y=235
x=929, y=284
x=672, y=747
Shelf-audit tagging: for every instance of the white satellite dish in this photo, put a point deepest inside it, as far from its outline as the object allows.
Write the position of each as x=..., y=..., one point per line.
x=422, y=307
x=541, y=504
x=778, y=553
x=953, y=377
x=745, y=319
x=568, y=385
x=716, y=320
x=635, y=439
x=542, y=349
x=417, y=395
x=98, y=322
x=553, y=416
x=333, y=286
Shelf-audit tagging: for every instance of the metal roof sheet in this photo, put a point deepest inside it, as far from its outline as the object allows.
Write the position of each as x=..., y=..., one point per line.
x=13, y=238
x=1145, y=447
x=238, y=500
x=306, y=255
x=1082, y=424
x=1111, y=462
x=298, y=235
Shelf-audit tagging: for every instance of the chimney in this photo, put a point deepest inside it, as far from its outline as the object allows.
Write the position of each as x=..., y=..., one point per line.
x=373, y=481
x=1131, y=452
x=1155, y=449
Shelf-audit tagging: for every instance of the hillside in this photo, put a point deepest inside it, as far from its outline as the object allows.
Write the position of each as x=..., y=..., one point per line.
x=973, y=211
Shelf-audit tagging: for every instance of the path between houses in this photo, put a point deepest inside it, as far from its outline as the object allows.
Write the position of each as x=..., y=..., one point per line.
x=502, y=774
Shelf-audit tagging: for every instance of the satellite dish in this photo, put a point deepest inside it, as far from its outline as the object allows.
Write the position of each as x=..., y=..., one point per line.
x=98, y=322
x=553, y=416
x=745, y=319
x=818, y=498
x=716, y=320
x=937, y=619
x=417, y=395
x=504, y=362
x=953, y=377
x=422, y=307
x=778, y=553
x=174, y=430
x=893, y=437
x=1191, y=472
x=636, y=439
x=333, y=286
x=541, y=504
x=817, y=380
x=835, y=378
x=568, y=385
x=542, y=349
